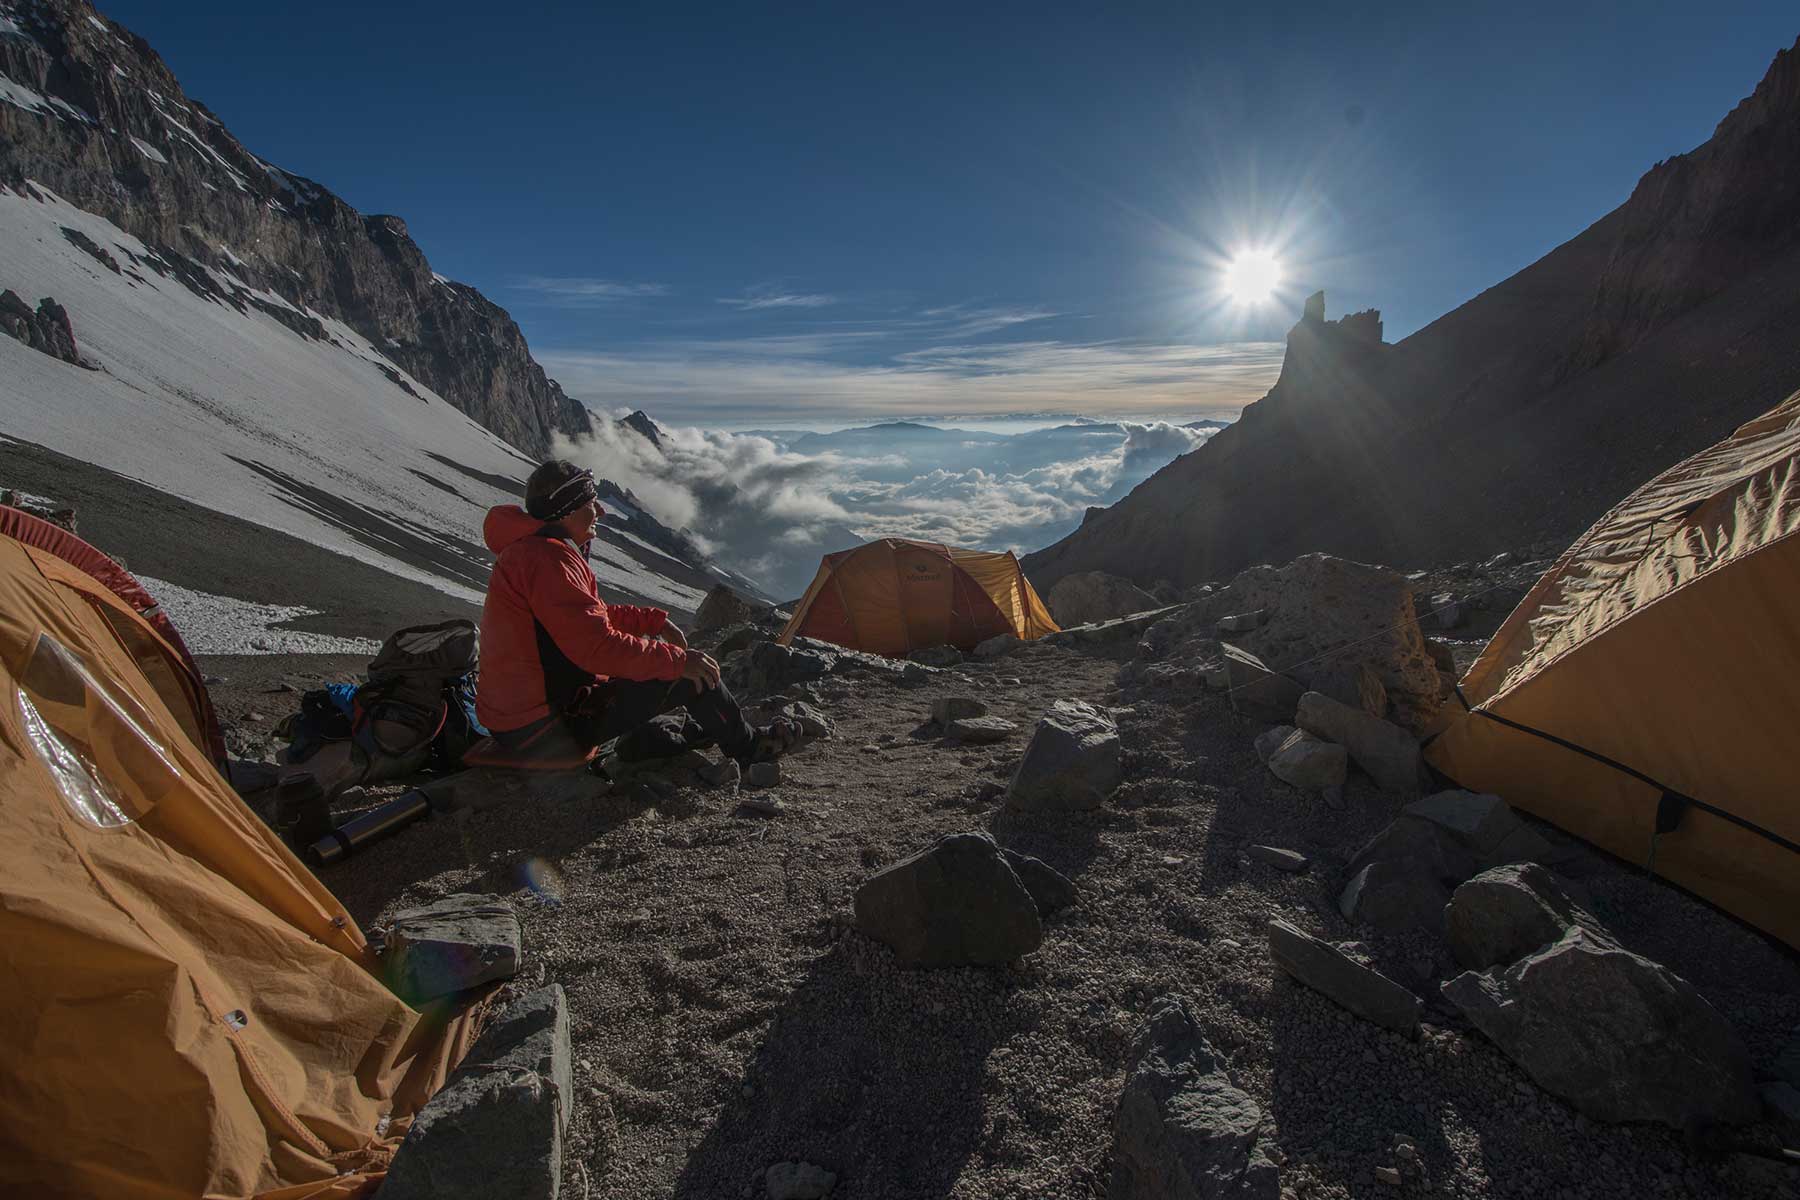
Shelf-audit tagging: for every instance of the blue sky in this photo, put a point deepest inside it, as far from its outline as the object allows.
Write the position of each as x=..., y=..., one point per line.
x=761, y=214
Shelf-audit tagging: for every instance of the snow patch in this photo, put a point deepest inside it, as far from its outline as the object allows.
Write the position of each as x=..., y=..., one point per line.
x=97, y=23
x=20, y=96
x=8, y=25
x=212, y=624
x=148, y=151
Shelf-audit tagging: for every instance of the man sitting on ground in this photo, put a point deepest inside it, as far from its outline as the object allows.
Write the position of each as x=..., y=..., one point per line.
x=562, y=670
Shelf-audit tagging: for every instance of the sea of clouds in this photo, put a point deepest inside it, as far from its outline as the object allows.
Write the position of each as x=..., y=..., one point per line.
x=768, y=503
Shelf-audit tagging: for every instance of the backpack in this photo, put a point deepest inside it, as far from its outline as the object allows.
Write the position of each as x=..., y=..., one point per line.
x=420, y=695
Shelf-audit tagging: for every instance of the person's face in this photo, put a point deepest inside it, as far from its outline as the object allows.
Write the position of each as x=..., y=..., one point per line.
x=582, y=521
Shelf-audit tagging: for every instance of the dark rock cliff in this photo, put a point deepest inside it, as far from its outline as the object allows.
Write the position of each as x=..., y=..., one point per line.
x=89, y=111
x=1521, y=416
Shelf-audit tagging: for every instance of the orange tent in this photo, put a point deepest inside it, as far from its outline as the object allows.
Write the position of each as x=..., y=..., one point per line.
x=1643, y=694
x=894, y=595
x=188, y=1011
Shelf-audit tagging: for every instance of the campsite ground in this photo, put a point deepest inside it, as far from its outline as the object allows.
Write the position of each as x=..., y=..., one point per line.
x=727, y=1016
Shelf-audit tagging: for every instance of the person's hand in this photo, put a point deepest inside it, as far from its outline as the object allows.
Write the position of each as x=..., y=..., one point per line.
x=671, y=633
x=701, y=668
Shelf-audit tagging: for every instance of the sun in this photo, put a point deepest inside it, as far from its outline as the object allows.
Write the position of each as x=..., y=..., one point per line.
x=1251, y=277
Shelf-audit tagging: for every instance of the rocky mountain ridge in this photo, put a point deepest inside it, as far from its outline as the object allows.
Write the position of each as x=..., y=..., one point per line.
x=1523, y=414
x=89, y=111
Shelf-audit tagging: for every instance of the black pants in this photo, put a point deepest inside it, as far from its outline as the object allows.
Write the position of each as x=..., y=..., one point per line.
x=618, y=706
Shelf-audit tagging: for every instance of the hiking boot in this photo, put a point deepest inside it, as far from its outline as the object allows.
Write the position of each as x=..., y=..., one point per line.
x=774, y=740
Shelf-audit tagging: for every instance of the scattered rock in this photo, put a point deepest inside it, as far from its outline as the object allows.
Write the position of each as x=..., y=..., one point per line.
x=1050, y=889
x=770, y=666
x=740, y=637
x=980, y=730
x=1388, y=753
x=799, y=1181
x=953, y=708
x=1253, y=689
x=1326, y=969
x=811, y=719
x=1242, y=622
x=496, y=1127
x=1072, y=762
x=46, y=330
x=957, y=904
x=724, y=607
x=1505, y=913
x=1618, y=1036
x=1395, y=895
x=1306, y=762
x=1388, y=1175
x=725, y=773
x=1270, y=740
x=762, y=806
x=1090, y=596
x=451, y=945
x=937, y=656
x=1183, y=1130
x=998, y=646
x=1280, y=859
x=762, y=774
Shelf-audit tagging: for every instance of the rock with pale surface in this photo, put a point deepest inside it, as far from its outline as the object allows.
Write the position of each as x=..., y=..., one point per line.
x=1252, y=687
x=1270, y=740
x=1305, y=761
x=451, y=945
x=980, y=730
x=1388, y=753
x=1278, y=857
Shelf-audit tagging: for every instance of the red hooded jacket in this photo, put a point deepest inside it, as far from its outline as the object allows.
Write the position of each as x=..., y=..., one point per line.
x=545, y=632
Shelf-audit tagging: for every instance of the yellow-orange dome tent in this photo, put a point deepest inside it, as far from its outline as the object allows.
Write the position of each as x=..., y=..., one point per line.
x=188, y=1011
x=895, y=595
x=1643, y=694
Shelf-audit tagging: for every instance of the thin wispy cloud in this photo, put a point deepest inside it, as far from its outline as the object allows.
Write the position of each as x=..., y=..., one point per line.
x=581, y=291
x=705, y=382
x=966, y=320
x=771, y=297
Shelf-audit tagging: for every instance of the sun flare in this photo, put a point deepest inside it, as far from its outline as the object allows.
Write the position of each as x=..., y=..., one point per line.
x=1251, y=277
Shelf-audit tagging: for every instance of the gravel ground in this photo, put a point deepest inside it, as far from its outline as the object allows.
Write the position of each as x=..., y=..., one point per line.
x=727, y=1017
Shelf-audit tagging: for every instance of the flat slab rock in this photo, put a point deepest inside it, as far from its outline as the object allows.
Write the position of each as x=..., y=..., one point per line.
x=1326, y=969
x=451, y=945
x=1183, y=1130
x=495, y=1130
x=960, y=903
x=980, y=729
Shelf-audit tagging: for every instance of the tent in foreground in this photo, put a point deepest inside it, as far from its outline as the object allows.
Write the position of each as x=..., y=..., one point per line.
x=188, y=1011
x=895, y=595
x=1643, y=694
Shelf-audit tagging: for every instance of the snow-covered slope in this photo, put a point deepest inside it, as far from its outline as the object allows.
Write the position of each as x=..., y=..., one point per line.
x=220, y=393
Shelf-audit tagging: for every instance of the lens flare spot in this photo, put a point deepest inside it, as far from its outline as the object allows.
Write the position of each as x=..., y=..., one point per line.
x=1251, y=277
x=543, y=879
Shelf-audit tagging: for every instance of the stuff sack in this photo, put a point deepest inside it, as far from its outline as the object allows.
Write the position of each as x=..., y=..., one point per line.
x=422, y=678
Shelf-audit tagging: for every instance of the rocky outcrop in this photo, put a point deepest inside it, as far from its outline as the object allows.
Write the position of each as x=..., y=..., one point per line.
x=45, y=329
x=1096, y=596
x=103, y=123
x=1517, y=418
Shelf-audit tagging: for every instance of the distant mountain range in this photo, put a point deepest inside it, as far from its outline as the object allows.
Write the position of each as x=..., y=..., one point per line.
x=1520, y=416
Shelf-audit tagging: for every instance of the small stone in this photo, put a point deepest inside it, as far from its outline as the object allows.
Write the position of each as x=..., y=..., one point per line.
x=953, y=708
x=763, y=774
x=1406, y=1152
x=1305, y=761
x=980, y=730
x=1242, y=622
x=1388, y=1175
x=725, y=774
x=764, y=806
x=1280, y=859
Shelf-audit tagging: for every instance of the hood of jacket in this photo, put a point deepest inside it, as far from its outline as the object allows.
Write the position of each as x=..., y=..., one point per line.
x=506, y=524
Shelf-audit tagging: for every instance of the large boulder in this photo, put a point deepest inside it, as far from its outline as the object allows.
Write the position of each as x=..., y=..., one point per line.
x=1307, y=762
x=1505, y=913
x=1618, y=1036
x=1388, y=753
x=1072, y=762
x=960, y=903
x=496, y=1127
x=1183, y=1130
x=1252, y=687
x=1326, y=619
x=724, y=607
x=1326, y=969
x=1090, y=596
x=451, y=945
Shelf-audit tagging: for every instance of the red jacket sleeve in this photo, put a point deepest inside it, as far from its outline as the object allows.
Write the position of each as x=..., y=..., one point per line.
x=582, y=629
x=637, y=618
